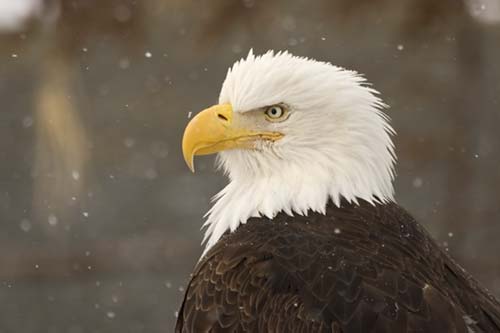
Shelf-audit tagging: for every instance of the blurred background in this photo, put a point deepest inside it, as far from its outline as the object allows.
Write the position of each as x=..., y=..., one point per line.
x=100, y=218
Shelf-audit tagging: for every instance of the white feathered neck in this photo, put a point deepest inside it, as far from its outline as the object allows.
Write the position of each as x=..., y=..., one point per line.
x=337, y=142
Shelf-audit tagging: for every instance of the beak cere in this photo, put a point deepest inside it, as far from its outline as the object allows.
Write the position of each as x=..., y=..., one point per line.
x=213, y=130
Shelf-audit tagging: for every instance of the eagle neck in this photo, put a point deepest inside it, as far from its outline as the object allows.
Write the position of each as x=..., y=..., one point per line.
x=244, y=198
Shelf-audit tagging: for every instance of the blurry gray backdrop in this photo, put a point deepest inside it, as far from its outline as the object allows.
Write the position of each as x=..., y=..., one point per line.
x=100, y=218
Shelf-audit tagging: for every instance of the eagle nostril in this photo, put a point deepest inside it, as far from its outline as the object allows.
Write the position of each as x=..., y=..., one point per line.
x=221, y=116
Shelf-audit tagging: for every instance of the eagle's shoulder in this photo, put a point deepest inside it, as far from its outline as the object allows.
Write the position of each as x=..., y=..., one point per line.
x=355, y=268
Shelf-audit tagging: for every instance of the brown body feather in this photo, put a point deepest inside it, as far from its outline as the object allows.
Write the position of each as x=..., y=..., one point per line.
x=359, y=268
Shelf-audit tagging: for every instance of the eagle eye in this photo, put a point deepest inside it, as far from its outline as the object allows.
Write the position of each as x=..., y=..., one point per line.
x=276, y=113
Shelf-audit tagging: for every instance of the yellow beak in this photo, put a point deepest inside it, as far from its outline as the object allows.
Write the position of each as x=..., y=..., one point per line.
x=213, y=130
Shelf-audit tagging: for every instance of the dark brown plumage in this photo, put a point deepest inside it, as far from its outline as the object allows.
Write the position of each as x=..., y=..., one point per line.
x=359, y=268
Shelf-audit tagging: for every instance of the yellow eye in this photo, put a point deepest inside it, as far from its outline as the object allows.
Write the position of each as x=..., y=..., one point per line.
x=275, y=113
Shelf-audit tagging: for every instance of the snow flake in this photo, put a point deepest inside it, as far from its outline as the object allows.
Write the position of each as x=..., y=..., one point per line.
x=25, y=225
x=75, y=174
x=52, y=219
x=27, y=122
x=417, y=182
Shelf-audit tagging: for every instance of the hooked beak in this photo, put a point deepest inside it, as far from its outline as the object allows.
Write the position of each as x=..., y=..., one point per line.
x=212, y=130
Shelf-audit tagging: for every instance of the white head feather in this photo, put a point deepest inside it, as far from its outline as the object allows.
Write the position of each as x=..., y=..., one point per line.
x=337, y=142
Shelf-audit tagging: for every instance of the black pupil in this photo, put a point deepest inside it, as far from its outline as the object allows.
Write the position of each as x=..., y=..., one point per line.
x=274, y=111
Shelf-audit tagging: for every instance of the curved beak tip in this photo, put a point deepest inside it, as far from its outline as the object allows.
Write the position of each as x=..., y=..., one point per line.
x=190, y=165
x=188, y=158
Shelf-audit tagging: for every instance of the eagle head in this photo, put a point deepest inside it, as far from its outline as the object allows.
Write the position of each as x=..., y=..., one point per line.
x=292, y=134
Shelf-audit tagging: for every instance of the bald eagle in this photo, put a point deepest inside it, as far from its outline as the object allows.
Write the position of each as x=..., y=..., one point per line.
x=307, y=237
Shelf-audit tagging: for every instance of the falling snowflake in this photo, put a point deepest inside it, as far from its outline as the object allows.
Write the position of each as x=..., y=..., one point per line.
x=52, y=220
